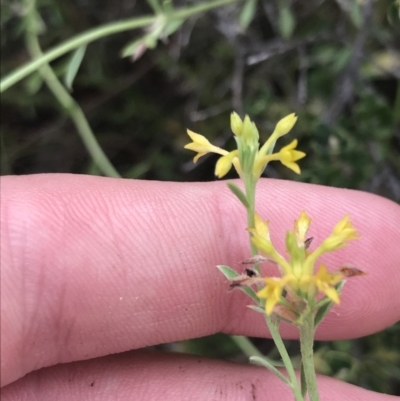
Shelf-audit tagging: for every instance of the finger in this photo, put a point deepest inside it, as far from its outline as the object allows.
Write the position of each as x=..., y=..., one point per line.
x=146, y=375
x=92, y=266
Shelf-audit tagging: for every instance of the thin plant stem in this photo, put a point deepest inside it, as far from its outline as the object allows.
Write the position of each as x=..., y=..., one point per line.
x=250, y=194
x=306, y=347
x=246, y=346
x=66, y=100
x=242, y=342
x=97, y=33
x=250, y=186
x=267, y=364
x=274, y=330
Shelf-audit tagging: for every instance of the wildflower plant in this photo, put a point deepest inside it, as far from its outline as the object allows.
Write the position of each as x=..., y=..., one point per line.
x=304, y=291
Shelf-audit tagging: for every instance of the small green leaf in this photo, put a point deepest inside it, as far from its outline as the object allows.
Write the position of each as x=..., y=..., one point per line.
x=239, y=194
x=269, y=364
x=151, y=40
x=287, y=22
x=172, y=26
x=139, y=46
x=230, y=274
x=73, y=66
x=132, y=47
x=247, y=14
x=324, y=309
x=257, y=309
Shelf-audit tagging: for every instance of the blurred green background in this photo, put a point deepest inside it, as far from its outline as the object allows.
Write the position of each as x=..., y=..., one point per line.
x=335, y=63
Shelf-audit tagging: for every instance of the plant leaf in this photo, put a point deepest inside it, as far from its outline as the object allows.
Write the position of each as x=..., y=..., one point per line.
x=324, y=309
x=229, y=273
x=73, y=66
x=132, y=47
x=172, y=26
x=239, y=194
x=247, y=14
x=286, y=22
x=257, y=309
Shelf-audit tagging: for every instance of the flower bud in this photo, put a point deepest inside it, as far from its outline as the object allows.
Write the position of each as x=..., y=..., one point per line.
x=236, y=124
x=224, y=164
x=285, y=125
x=250, y=133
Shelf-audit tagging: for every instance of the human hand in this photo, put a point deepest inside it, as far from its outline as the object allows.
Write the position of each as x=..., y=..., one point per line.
x=92, y=267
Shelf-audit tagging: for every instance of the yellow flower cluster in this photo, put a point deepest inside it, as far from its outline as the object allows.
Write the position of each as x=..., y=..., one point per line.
x=249, y=157
x=298, y=274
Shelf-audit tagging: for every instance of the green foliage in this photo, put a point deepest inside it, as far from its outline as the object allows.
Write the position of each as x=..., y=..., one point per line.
x=247, y=14
x=73, y=66
x=239, y=194
x=372, y=362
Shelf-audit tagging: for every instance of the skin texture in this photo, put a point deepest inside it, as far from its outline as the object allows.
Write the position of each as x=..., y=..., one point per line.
x=95, y=266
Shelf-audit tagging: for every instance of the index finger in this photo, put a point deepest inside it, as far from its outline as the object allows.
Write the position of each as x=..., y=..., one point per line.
x=93, y=266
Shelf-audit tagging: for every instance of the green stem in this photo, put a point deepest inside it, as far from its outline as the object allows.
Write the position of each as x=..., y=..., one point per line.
x=65, y=99
x=242, y=342
x=307, y=355
x=274, y=330
x=250, y=187
x=100, y=32
x=246, y=346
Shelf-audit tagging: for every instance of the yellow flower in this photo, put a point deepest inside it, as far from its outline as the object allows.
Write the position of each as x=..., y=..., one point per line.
x=301, y=227
x=342, y=233
x=261, y=240
x=260, y=235
x=272, y=292
x=224, y=164
x=288, y=155
x=323, y=281
x=261, y=227
x=282, y=128
x=298, y=276
x=326, y=281
x=264, y=245
x=345, y=228
x=202, y=146
x=248, y=158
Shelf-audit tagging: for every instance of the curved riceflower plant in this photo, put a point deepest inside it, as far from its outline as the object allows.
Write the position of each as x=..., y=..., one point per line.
x=303, y=290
